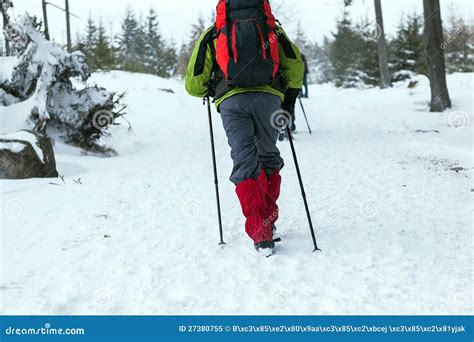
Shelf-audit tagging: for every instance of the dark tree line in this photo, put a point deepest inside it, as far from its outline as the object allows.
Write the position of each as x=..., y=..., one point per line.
x=356, y=54
x=138, y=47
x=349, y=57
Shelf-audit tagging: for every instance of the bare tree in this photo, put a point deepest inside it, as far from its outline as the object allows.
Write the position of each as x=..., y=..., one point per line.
x=68, y=26
x=45, y=19
x=385, y=79
x=440, y=99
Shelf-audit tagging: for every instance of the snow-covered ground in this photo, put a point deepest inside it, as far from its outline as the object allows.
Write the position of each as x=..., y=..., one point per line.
x=389, y=185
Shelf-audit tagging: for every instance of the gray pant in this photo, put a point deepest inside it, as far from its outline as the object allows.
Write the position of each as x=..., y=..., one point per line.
x=252, y=138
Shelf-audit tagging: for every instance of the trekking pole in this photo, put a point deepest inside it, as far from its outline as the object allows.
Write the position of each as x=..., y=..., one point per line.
x=306, y=118
x=303, y=193
x=214, y=162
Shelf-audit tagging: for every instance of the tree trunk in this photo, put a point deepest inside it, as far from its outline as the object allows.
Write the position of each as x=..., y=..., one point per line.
x=68, y=27
x=45, y=20
x=385, y=78
x=4, y=6
x=435, y=56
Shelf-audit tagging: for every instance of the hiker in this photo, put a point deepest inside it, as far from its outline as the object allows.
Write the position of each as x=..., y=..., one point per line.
x=247, y=63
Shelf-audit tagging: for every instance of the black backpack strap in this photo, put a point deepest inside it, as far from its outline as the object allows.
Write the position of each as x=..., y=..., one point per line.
x=229, y=29
x=286, y=45
x=208, y=40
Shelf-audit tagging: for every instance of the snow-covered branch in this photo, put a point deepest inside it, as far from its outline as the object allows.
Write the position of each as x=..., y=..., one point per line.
x=40, y=77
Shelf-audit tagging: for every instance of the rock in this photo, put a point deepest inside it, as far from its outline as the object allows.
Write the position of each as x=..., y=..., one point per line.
x=26, y=154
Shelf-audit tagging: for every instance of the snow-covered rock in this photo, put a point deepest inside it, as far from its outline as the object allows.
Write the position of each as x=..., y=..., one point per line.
x=26, y=154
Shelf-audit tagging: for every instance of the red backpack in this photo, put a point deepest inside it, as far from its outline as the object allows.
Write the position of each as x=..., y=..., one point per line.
x=247, y=44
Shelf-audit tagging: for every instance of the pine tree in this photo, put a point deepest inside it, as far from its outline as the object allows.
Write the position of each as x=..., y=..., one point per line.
x=344, y=54
x=87, y=43
x=186, y=50
x=91, y=31
x=184, y=55
x=301, y=40
x=407, y=50
x=131, y=43
x=103, y=52
x=160, y=56
x=369, y=68
x=170, y=60
x=321, y=55
x=459, y=46
x=154, y=45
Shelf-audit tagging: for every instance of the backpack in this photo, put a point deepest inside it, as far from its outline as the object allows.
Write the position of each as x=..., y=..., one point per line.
x=247, y=45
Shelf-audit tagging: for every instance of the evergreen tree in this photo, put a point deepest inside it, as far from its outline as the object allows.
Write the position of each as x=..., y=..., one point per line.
x=91, y=32
x=86, y=43
x=321, y=55
x=130, y=47
x=170, y=60
x=154, y=45
x=369, y=68
x=186, y=50
x=459, y=46
x=184, y=56
x=407, y=51
x=301, y=40
x=160, y=57
x=103, y=52
x=344, y=54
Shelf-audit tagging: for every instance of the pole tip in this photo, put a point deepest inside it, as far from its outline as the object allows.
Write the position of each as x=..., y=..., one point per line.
x=317, y=250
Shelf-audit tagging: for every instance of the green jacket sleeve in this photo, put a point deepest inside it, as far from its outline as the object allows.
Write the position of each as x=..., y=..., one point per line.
x=200, y=66
x=292, y=65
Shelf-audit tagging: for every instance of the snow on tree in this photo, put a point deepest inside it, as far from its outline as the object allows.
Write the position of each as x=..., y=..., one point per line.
x=345, y=54
x=459, y=46
x=39, y=85
x=407, y=49
x=5, y=5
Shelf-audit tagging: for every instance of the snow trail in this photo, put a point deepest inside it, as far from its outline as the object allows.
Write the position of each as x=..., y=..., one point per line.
x=138, y=234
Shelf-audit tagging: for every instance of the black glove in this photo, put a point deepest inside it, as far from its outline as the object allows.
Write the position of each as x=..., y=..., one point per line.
x=291, y=95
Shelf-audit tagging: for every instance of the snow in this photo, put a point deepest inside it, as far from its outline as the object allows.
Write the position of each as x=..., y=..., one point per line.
x=13, y=147
x=28, y=137
x=391, y=200
x=6, y=68
x=16, y=116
